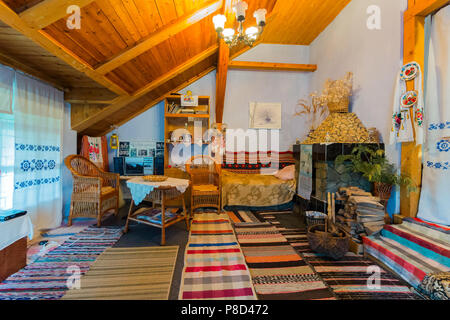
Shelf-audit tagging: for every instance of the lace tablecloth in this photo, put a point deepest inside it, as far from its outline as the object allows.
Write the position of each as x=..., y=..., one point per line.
x=140, y=188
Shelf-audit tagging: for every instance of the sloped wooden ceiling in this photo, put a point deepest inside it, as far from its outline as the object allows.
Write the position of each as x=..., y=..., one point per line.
x=133, y=52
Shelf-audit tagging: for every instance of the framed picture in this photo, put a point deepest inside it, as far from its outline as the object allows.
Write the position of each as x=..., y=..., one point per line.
x=265, y=115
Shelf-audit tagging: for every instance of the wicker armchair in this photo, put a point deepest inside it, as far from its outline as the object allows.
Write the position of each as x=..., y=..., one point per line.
x=205, y=175
x=94, y=191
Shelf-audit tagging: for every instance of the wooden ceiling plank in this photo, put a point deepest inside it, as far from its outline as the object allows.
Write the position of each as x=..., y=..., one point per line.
x=157, y=38
x=125, y=100
x=49, y=11
x=12, y=19
x=252, y=65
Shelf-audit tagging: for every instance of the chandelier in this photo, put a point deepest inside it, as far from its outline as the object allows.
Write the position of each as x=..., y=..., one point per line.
x=250, y=35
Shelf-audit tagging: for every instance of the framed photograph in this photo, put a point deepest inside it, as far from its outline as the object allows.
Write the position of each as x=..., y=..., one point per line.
x=265, y=115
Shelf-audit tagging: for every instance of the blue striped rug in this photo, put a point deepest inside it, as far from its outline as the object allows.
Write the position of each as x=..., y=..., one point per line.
x=47, y=277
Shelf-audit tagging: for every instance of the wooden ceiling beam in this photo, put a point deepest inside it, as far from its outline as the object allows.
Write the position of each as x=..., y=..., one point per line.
x=9, y=17
x=160, y=98
x=158, y=37
x=270, y=66
x=221, y=79
x=423, y=8
x=89, y=95
x=47, y=12
x=123, y=101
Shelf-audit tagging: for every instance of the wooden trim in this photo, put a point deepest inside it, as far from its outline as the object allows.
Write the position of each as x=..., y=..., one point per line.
x=414, y=50
x=252, y=65
x=13, y=20
x=49, y=11
x=15, y=64
x=125, y=100
x=158, y=37
x=160, y=98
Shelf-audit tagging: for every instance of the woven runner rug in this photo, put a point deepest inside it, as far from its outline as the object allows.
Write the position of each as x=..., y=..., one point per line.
x=141, y=273
x=348, y=277
x=48, y=276
x=278, y=272
x=214, y=266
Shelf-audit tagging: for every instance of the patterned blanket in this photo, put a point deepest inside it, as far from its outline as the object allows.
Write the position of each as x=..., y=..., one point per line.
x=413, y=250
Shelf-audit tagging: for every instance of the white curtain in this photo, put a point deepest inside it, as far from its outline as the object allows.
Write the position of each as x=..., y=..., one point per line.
x=6, y=138
x=38, y=121
x=435, y=200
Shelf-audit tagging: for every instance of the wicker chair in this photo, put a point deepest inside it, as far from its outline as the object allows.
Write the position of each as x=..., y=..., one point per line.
x=205, y=175
x=94, y=191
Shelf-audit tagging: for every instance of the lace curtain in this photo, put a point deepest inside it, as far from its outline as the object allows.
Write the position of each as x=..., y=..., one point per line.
x=6, y=138
x=434, y=200
x=38, y=121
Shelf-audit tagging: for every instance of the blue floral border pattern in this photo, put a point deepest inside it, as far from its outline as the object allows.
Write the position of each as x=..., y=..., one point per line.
x=36, y=147
x=35, y=182
x=439, y=126
x=38, y=165
x=438, y=165
x=443, y=145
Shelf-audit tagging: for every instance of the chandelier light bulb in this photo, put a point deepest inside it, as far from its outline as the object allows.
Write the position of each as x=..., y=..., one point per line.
x=228, y=34
x=240, y=7
x=252, y=32
x=260, y=16
x=219, y=22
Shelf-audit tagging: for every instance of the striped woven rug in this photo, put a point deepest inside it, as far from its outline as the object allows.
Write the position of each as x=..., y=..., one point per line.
x=214, y=266
x=141, y=273
x=348, y=277
x=278, y=272
x=46, y=278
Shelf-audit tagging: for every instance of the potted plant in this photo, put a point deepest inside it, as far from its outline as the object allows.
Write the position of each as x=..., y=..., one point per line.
x=374, y=166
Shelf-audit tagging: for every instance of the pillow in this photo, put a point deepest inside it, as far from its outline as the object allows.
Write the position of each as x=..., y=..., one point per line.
x=287, y=173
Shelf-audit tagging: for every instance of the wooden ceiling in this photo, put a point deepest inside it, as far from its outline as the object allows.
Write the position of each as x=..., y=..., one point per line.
x=128, y=54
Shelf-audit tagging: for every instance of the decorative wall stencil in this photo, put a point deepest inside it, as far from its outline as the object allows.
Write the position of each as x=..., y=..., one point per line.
x=36, y=147
x=35, y=182
x=36, y=164
x=443, y=145
x=265, y=115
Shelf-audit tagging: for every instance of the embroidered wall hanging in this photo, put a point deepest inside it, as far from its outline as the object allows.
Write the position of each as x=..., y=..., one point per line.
x=402, y=126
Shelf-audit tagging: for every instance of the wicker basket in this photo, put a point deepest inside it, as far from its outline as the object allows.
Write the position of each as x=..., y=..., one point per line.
x=339, y=107
x=311, y=220
x=153, y=178
x=324, y=243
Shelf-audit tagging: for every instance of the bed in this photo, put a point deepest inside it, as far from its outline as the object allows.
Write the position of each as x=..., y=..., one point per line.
x=243, y=184
x=418, y=251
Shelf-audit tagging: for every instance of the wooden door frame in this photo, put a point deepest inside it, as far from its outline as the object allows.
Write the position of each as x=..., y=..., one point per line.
x=414, y=50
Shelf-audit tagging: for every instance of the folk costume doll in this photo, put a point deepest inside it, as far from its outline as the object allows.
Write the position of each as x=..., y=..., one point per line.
x=402, y=122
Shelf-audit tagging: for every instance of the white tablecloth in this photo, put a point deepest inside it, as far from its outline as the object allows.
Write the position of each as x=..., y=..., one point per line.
x=140, y=188
x=15, y=229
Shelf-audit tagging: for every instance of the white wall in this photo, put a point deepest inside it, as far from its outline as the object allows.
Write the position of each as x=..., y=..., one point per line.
x=245, y=86
x=374, y=56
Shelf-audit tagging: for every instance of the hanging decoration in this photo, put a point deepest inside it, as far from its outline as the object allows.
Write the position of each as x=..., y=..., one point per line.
x=402, y=123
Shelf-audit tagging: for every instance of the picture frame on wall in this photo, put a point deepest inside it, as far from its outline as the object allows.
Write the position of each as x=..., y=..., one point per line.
x=265, y=115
